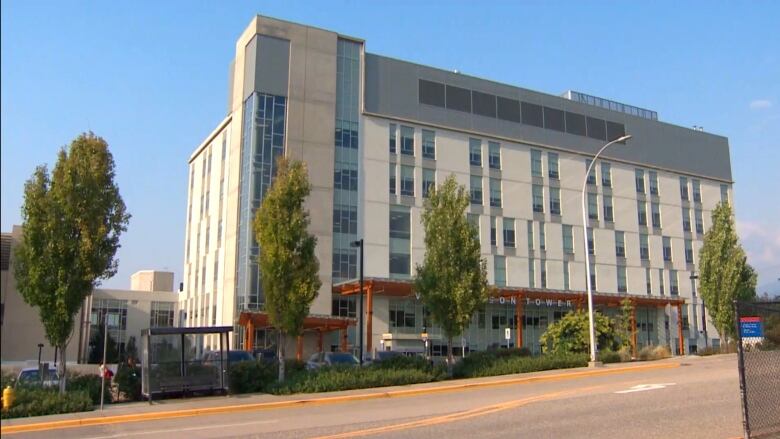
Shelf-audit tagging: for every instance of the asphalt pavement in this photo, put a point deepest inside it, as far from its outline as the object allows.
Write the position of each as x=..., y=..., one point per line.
x=697, y=399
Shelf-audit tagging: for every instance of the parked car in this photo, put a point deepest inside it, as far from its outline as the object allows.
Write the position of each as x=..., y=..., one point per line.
x=266, y=354
x=30, y=376
x=321, y=359
x=381, y=356
x=234, y=356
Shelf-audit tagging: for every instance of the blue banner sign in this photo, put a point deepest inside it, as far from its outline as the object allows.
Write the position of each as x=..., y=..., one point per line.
x=750, y=327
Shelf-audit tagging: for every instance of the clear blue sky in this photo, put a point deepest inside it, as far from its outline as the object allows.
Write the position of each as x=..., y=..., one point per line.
x=151, y=78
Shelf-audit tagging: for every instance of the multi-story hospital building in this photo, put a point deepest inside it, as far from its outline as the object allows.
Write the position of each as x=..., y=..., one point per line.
x=376, y=133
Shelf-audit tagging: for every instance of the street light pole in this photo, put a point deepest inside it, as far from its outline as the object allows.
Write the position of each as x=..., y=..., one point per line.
x=359, y=243
x=593, y=360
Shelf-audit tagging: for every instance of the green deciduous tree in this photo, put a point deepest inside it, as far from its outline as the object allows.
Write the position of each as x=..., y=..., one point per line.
x=570, y=334
x=288, y=266
x=72, y=221
x=724, y=273
x=452, y=280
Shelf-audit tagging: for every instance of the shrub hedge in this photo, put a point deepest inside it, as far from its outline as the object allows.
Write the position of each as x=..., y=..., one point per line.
x=654, y=353
x=90, y=384
x=40, y=402
x=329, y=379
x=492, y=363
x=128, y=382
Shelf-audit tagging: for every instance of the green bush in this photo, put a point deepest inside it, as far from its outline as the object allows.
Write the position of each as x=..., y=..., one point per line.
x=128, y=382
x=7, y=379
x=331, y=379
x=252, y=376
x=40, y=402
x=608, y=356
x=484, y=365
x=654, y=353
x=571, y=334
x=403, y=362
x=91, y=385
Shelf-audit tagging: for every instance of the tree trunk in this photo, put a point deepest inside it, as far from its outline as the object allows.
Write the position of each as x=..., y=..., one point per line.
x=280, y=356
x=450, y=357
x=61, y=369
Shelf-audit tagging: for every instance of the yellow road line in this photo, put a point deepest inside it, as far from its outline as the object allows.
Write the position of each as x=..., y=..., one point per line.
x=170, y=414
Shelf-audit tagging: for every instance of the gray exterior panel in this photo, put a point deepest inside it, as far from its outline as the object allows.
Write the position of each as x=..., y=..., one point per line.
x=391, y=88
x=267, y=66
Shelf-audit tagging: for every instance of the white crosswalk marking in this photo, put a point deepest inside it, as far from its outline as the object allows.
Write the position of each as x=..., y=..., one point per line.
x=643, y=387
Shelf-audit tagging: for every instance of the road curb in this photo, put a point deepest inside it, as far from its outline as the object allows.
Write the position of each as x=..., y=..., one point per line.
x=170, y=414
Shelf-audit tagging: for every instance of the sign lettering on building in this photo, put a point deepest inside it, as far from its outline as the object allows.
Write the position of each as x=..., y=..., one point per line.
x=528, y=301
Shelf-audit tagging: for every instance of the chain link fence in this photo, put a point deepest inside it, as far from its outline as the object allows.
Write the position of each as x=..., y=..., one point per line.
x=758, y=340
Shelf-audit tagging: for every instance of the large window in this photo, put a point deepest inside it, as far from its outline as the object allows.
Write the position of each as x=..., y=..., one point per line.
x=639, y=176
x=696, y=190
x=343, y=306
x=591, y=243
x=568, y=240
x=429, y=144
x=686, y=219
x=667, y=242
x=509, y=232
x=653, y=176
x=644, y=247
x=688, y=251
x=499, y=263
x=684, y=188
x=429, y=181
x=493, y=232
x=161, y=315
x=593, y=206
x=345, y=219
x=494, y=155
x=475, y=152
x=402, y=314
x=552, y=165
x=407, y=181
x=592, y=173
x=673, y=286
x=555, y=201
x=392, y=182
x=606, y=174
x=476, y=189
x=641, y=208
x=608, y=210
x=655, y=209
x=542, y=236
x=407, y=140
x=392, y=134
x=400, y=241
x=620, y=245
x=538, y=198
x=536, y=163
x=699, y=221
x=495, y=192
x=345, y=179
x=622, y=284
x=116, y=312
x=530, y=235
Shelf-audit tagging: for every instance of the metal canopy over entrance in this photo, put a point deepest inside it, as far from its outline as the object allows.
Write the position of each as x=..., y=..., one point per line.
x=518, y=296
x=318, y=324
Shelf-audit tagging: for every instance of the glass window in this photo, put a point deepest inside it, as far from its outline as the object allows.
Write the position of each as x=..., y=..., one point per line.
x=644, y=246
x=592, y=173
x=531, y=274
x=162, y=314
x=536, y=163
x=667, y=248
x=543, y=272
x=509, y=232
x=493, y=232
x=392, y=138
x=655, y=209
x=593, y=206
x=473, y=219
x=392, y=182
x=620, y=244
x=555, y=201
x=400, y=241
x=407, y=140
x=688, y=251
x=476, y=189
x=568, y=240
x=608, y=211
x=530, y=225
x=565, y=275
x=495, y=192
x=606, y=174
x=407, y=181
x=696, y=190
x=686, y=219
x=552, y=165
x=621, y=279
x=542, y=237
x=538, y=198
x=593, y=277
x=494, y=155
x=724, y=193
x=641, y=208
x=653, y=176
x=639, y=176
x=345, y=179
x=683, y=188
x=591, y=244
x=499, y=263
x=699, y=222
x=648, y=282
x=429, y=181
x=344, y=219
x=475, y=152
x=673, y=287
x=661, y=283
x=429, y=144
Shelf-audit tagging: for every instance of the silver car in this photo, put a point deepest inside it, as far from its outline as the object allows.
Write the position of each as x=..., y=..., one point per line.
x=30, y=376
x=321, y=359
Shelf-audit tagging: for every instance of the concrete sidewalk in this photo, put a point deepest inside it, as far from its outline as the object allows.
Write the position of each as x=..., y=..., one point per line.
x=177, y=408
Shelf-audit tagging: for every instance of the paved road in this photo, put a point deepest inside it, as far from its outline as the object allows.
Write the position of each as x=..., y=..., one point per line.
x=700, y=399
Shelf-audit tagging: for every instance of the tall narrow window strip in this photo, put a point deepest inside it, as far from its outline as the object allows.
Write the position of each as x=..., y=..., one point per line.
x=641, y=208
x=495, y=192
x=568, y=239
x=392, y=181
x=429, y=181
x=620, y=245
x=476, y=189
x=606, y=174
x=499, y=263
x=407, y=140
x=593, y=206
x=566, y=285
x=592, y=173
x=509, y=232
x=429, y=144
x=699, y=221
x=407, y=181
x=536, y=163
x=555, y=201
x=653, y=176
x=531, y=274
x=542, y=236
x=686, y=219
x=493, y=231
x=591, y=243
x=530, y=225
x=696, y=190
x=655, y=209
x=538, y=198
x=552, y=165
x=475, y=152
x=608, y=210
x=622, y=284
x=688, y=251
x=639, y=176
x=644, y=246
x=667, y=243
x=392, y=138
x=684, y=188
x=494, y=155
